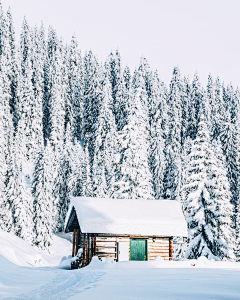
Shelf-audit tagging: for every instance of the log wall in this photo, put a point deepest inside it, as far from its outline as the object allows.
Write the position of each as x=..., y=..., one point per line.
x=107, y=246
x=158, y=248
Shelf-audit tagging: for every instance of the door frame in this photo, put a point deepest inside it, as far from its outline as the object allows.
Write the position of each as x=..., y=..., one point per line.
x=146, y=246
x=118, y=249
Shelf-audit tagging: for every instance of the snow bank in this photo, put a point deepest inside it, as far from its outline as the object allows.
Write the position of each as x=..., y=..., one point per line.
x=16, y=280
x=129, y=216
x=201, y=262
x=21, y=253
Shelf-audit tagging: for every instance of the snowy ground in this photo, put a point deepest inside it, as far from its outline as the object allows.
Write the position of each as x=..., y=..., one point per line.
x=107, y=280
x=21, y=253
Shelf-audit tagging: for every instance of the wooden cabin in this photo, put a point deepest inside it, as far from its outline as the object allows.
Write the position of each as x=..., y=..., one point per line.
x=124, y=229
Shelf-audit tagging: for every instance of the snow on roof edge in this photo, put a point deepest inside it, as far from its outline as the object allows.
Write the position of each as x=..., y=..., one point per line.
x=129, y=216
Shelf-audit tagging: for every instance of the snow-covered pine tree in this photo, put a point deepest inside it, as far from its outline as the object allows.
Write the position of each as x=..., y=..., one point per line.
x=26, y=120
x=218, y=110
x=225, y=239
x=51, y=47
x=74, y=100
x=158, y=116
x=173, y=144
x=186, y=93
x=207, y=205
x=10, y=192
x=237, y=142
x=144, y=68
x=6, y=219
x=1, y=31
x=133, y=177
x=114, y=72
x=11, y=189
x=42, y=200
x=121, y=103
x=211, y=100
x=78, y=176
x=179, y=244
x=88, y=185
x=63, y=186
x=126, y=97
x=30, y=95
x=24, y=46
x=105, y=146
x=56, y=106
x=22, y=207
x=237, y=244
x=195, y=100
x=228, y=137
x=7, y=154
x=13, y=72
x=3, y=163
x=93, y=95
x=37, y=65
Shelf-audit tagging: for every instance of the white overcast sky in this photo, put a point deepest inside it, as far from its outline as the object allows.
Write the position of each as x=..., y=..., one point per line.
x=202, y=35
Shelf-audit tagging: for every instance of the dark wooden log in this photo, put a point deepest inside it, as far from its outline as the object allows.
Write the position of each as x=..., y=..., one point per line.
x=73, y=248
x=84, y=250
x=87, y=249
x=91, y=248
x=76, y=244
x=95, y=246
x=170, y=249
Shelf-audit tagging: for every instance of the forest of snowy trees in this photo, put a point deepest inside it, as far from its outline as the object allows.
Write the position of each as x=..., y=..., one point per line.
x=73, y=126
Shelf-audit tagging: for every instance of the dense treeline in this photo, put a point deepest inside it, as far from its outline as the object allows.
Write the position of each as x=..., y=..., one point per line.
x=71, y=126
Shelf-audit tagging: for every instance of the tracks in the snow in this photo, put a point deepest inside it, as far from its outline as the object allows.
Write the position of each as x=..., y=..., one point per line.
x=64, y=285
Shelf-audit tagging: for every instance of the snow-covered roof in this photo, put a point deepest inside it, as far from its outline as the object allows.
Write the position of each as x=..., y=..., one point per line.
x=129, y=216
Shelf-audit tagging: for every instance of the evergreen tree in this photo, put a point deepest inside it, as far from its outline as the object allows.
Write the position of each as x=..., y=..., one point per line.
x=13, y=72
x=144, y=68
x=88, y=186
x=42, y=201
x=37, y=65
x=218, y=110
x=78, y=177
x=3, y=163
x=74, y=90
x=22, y=206
x=157, y=117
x=186, y=93
x=93, y=95
x=8, y=168
x=195, y=103
x=57, y=106
x=133, y=177
x=105, y=148
x=211, y=99
x=173, y=144
x=228, y=138
x=51, y=48
x=127, y=90
x=208, y=205
x=237, y=142
x=30, y=107
x=62, y=186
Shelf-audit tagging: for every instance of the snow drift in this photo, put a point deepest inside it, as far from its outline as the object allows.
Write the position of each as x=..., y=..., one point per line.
x=21, y=253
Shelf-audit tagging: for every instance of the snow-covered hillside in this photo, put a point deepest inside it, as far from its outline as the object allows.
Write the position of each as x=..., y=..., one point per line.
x=21, y=253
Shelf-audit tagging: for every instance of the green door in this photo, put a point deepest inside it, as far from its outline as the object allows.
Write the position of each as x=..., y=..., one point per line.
x=138, y=249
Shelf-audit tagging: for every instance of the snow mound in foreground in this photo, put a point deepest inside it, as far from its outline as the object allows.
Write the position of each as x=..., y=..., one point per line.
x=201, y=262
x=21, y=253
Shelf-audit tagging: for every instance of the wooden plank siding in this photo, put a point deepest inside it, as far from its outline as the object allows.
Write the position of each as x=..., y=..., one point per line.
x=107, y=246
